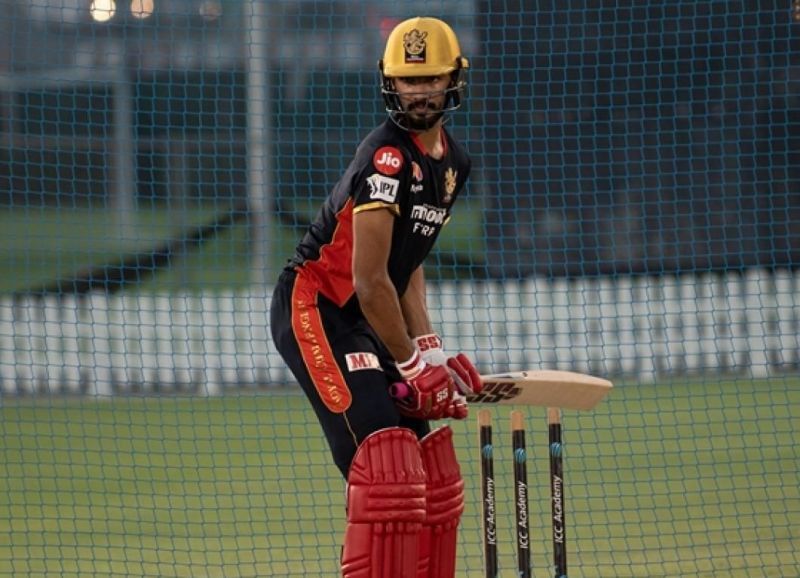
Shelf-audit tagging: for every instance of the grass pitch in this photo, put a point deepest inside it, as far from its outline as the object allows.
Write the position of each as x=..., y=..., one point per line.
x=667, y=480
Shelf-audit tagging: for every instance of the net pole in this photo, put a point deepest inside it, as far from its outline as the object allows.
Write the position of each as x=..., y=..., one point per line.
x=259, y=146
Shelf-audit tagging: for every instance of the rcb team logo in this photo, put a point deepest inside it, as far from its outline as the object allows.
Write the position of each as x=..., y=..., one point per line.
x=449, y=184
x=414, y=45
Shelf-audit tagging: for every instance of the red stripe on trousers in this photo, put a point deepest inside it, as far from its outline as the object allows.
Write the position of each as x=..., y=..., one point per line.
x=315, y=349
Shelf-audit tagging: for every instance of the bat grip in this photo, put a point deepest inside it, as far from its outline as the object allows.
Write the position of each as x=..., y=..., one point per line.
x=399, y=390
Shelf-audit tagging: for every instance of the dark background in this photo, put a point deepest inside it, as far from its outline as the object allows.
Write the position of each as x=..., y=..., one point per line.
x=639, y=137
x=645, y=136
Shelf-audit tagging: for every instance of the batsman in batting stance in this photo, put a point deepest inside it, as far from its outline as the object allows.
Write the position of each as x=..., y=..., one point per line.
x=349, y=317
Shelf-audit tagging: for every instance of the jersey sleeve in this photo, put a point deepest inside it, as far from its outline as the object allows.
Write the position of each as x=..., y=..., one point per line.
x=382, y=181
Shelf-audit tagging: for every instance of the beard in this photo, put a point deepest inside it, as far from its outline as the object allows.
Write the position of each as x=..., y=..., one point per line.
x=422, y=115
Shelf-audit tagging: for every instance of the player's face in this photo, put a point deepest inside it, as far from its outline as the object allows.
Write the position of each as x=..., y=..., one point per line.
x=423, y=98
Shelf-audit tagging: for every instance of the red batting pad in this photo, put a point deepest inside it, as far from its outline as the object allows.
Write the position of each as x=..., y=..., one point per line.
x=445, y=504
x=385, y=507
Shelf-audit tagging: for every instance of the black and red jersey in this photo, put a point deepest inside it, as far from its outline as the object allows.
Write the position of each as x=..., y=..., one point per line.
x=390, y=170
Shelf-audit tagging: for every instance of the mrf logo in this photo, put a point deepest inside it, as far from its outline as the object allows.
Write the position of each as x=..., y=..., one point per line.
x=388, y=160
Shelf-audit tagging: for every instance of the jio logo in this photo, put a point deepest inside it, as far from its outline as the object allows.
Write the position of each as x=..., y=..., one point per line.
x=388, y=160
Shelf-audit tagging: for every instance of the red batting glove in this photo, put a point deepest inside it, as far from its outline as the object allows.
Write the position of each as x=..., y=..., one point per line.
x=464, y=374
x=430, y=346
x=430, y=389
x=458, y=408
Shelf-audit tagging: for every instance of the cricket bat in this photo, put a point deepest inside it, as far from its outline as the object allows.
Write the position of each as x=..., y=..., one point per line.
x=545, y=388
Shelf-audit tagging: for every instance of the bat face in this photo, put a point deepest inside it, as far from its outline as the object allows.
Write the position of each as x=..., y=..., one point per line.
x=546, y=388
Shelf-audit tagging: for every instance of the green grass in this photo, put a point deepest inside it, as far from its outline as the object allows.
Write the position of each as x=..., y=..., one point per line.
x=41, y=244
x=670, y=480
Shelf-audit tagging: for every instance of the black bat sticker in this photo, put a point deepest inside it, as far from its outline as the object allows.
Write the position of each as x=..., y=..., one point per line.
x=495, y=392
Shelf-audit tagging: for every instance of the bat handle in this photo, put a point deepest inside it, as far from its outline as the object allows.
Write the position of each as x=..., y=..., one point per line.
x=399, y=390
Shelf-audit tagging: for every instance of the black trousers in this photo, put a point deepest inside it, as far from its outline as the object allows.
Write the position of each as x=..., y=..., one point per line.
x=339, y=362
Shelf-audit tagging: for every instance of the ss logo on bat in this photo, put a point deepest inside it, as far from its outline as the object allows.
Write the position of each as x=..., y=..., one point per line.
x=495, y=392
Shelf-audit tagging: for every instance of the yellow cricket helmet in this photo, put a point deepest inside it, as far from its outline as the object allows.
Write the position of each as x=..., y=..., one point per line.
x=422, y=47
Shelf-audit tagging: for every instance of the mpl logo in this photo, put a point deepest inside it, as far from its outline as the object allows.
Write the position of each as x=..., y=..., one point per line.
x=388, y=160
x=362, y=360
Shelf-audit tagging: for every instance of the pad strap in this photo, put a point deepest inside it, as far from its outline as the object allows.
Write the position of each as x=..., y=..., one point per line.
x=445, y=504
x=385, y=507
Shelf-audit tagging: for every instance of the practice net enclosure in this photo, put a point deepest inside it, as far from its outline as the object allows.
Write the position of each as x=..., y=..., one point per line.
x=633, y=213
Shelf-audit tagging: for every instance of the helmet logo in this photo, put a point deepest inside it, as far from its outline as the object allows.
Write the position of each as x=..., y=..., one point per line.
x=414, y=45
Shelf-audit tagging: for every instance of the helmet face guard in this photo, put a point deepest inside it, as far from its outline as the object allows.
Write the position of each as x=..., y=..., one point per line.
x=453, y=97
x=422, y=47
